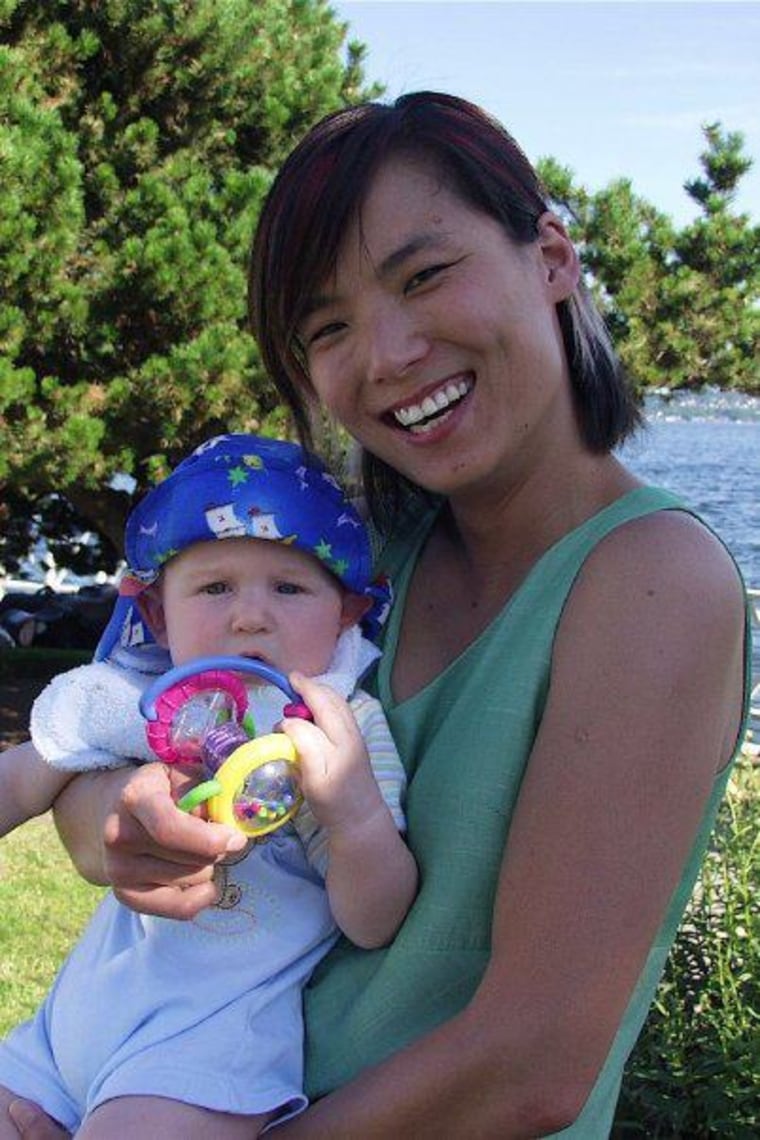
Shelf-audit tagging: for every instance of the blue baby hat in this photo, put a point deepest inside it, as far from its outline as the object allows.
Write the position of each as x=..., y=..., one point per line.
x=244, y=486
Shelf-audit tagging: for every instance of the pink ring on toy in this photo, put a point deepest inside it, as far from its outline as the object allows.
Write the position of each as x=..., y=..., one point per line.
x=159, y=731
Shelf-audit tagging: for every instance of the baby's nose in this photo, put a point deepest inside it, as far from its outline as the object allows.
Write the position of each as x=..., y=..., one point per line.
x=251, y=611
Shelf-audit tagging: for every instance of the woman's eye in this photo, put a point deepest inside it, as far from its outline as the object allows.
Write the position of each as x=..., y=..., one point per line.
x=424, y=276
x=324, y=332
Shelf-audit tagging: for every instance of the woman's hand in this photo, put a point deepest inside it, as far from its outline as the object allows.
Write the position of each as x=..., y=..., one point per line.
x=123, y=828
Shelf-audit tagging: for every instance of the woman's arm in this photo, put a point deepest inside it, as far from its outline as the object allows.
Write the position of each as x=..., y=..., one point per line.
x=30, y=1121
x=122, y=827
x=644, y=708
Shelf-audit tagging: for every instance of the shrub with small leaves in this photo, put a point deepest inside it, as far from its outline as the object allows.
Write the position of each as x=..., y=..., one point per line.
x=695, y=1072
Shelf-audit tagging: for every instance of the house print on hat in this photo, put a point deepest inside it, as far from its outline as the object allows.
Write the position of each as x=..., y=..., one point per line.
x=262, y=524
x=223, y=522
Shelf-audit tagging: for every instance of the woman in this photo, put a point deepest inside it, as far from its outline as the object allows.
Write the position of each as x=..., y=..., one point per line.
x=565, y=668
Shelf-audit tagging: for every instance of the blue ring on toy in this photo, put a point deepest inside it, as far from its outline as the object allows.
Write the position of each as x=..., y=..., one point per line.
x=200, y=665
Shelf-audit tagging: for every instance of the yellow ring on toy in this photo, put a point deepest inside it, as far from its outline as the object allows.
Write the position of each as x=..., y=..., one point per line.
x=234, y=771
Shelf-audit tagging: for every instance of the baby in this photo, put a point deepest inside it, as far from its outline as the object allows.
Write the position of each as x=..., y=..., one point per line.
x=249, y=548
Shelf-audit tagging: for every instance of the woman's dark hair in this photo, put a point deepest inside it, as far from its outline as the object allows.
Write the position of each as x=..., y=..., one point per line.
x=319, y=191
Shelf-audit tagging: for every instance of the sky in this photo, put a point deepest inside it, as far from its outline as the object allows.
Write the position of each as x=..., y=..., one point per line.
x=609, y=89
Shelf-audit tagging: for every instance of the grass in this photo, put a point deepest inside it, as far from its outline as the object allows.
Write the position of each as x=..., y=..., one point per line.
x=44, y=905
x=695, y=1072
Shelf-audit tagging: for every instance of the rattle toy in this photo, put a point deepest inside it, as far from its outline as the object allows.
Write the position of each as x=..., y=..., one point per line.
x=198, y=713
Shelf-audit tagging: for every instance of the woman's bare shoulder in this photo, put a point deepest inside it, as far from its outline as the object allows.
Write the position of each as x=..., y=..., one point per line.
x=663, y=554
x=656, y=621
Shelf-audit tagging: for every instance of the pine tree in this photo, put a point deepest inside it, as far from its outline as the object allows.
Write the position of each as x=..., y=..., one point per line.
x=137, y=140
x=717, y=273
x=683, y=305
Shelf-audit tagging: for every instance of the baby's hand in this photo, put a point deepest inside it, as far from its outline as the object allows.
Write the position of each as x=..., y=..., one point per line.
x=335, y=773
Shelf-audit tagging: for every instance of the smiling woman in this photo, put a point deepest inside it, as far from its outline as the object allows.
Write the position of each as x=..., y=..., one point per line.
x=405, y=200
x=456, y=342
x=565, y=754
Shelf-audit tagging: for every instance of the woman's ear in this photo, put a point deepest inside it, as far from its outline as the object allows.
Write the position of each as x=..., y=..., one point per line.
x=151, y=609
x=355, y=607
x=560, y=257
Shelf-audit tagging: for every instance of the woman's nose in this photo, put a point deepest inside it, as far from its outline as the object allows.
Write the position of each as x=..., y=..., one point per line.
x=395, y=343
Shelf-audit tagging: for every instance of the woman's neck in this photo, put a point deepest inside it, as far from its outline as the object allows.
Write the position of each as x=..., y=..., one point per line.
x=500, y=535
x=478, y=553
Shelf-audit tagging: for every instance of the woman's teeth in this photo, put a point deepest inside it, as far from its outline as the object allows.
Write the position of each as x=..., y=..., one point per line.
x=413, y=415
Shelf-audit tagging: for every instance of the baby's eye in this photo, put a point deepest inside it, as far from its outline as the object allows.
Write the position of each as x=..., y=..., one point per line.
x=288, y=588
x=214, y=588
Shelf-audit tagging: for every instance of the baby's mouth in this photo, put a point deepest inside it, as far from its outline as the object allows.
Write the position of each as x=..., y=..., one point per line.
x=421, y=417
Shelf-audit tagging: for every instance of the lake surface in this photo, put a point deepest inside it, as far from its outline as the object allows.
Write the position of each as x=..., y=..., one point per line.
x=706, y=448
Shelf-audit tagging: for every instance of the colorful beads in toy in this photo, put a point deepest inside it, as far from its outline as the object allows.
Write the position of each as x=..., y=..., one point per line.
x=195, y=713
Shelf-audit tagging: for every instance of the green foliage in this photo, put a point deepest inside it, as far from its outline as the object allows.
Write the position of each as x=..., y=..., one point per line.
x=138, y=138
x=695, y=1071
x=683, y=305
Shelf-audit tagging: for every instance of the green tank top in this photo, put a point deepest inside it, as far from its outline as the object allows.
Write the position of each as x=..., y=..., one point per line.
x=465, y=739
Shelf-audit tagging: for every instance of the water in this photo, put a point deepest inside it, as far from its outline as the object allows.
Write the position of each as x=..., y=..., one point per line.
x=706, y=448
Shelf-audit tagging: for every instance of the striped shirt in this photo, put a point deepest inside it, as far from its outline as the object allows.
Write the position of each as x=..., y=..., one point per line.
x=387, y=768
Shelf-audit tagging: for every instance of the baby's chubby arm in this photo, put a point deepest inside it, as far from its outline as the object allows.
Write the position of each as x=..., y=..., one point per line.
x=28, y=786
x=371, y=873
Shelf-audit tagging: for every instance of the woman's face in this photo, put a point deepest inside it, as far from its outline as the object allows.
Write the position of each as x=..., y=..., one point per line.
x=436, y=342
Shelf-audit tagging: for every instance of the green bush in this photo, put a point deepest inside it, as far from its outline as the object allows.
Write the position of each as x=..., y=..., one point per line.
x=695, y=1071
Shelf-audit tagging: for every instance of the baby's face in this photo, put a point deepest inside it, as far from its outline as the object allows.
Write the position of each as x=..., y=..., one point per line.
x=252, y=598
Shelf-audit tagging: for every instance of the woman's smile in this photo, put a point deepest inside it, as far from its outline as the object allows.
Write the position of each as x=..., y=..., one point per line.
x=422, y=413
